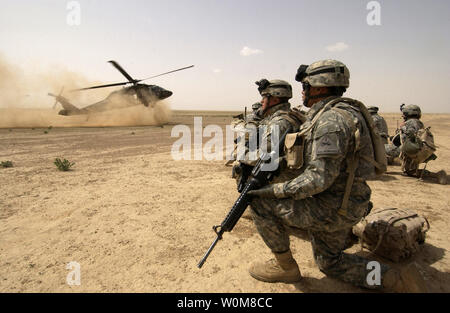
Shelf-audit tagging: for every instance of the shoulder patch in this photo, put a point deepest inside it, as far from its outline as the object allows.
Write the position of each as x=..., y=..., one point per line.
x=327, y=145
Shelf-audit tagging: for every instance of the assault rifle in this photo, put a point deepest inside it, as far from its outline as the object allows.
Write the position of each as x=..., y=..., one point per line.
x=259, y=177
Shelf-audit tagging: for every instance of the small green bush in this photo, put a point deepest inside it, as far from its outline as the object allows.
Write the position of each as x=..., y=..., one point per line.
x=63, y=165
x=6, y=164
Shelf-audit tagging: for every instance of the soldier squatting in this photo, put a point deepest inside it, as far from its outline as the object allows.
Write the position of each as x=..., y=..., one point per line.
x=321, y=185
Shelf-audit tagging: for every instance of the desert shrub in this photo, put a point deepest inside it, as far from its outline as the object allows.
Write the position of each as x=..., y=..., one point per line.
x=63, y=165
x=6, y=164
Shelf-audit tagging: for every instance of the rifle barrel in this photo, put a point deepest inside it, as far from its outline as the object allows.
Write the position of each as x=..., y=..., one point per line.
x=200, y=264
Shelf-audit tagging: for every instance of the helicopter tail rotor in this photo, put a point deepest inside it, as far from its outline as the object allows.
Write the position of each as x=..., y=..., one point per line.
x=56, y=97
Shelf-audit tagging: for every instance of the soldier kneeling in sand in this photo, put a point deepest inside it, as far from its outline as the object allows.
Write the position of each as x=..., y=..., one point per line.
x=417, y=145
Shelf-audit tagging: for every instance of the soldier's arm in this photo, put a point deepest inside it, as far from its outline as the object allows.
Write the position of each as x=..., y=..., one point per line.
x=270, y=132
x=245, y=131
x=273, y=131
x=330, y=140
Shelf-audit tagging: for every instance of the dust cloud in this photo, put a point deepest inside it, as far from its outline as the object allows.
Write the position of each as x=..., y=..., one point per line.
x=137, y=115
x=24, y=101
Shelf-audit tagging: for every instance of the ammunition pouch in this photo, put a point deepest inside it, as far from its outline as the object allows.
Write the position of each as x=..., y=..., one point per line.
x=294, y=146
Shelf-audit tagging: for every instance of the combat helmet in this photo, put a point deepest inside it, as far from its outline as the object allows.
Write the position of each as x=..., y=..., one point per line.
x=256, y=106
x=276, y=88
x=372, y=109
x=325, y=73
x=411, y=110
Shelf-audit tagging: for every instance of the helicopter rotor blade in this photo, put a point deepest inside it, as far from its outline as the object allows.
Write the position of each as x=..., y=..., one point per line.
x=121, y=70
x=180, y=69
x=102, y=86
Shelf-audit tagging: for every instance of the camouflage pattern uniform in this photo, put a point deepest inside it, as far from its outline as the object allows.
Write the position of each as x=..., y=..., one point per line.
x=256, y=114
x=392, y=152
x=380, y=124
x=244, y=126
x=408, y=131
x=312, y=198
x=273, y=119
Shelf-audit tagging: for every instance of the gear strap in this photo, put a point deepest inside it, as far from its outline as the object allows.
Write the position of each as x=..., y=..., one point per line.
x=295, y=118
x=352, y=161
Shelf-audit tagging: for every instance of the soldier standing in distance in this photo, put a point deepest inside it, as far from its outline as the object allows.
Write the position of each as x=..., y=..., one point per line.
x=379, y=123
x=316, y=199
x=411, y=116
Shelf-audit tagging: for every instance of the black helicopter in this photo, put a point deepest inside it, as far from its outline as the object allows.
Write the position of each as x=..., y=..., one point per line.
x=137, y=93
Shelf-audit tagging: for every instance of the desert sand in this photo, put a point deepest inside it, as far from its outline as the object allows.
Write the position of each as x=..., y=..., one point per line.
x=138, y=221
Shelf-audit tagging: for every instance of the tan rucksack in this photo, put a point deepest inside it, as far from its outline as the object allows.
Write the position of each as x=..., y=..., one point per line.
x=426, y=138
x=394, y=234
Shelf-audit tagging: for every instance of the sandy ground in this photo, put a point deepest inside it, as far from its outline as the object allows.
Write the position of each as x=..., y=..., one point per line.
x=137, y=221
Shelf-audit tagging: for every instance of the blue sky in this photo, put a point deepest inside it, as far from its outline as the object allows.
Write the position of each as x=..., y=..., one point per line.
x=403, y=60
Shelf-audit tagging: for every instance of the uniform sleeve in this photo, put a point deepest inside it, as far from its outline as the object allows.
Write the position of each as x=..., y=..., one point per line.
x=409, y=130
x=330, y=141
x=272, y=133
x=269, y=134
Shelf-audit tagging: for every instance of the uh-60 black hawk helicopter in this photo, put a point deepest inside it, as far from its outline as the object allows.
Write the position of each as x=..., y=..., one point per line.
x=135, y=94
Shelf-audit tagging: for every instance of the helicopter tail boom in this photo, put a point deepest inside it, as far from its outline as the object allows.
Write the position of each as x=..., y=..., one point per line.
x=69, y=108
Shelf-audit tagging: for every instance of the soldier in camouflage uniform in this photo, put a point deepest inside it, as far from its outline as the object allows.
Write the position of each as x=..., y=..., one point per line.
x=379, y=123
x=256, y=112
x=392, y=151
x=274, y=111
x=408, y=131
x=244, y=125
x=312, y=197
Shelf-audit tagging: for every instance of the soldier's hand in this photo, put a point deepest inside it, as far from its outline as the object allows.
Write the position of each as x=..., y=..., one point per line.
x=264, y=192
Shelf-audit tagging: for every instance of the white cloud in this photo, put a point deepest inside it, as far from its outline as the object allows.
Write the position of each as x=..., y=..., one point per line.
x=246, y=51
x=217, y=70
x=338, y=47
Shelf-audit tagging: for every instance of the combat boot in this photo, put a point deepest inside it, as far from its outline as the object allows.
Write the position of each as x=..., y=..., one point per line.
x=442, y=177
x=406, y=280
x=282, y=269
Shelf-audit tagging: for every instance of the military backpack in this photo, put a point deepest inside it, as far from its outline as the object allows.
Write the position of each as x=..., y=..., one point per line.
x=422, y=147
x=394, y=234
